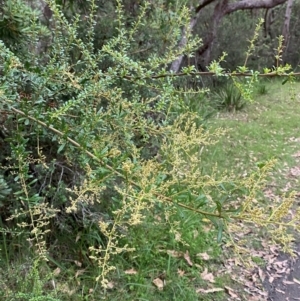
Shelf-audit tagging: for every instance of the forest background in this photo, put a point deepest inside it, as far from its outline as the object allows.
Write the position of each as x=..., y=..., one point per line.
x=105, y=182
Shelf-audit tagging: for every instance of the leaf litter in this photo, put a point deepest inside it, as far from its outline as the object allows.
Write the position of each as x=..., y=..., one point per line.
x=269, y=276
x=271, y=273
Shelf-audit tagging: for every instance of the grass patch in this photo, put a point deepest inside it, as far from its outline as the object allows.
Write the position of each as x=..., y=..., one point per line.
x=267, y=129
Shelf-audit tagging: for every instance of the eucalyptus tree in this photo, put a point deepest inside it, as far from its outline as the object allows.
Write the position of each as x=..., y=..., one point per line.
x=217, y=10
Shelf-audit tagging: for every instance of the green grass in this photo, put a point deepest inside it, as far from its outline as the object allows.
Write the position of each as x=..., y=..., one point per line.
x=158, y=255
x=265, y=129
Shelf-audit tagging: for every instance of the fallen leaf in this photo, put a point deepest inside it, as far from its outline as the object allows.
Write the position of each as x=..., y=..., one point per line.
x=274, y=249
x=174, y=253
x=254, y=278
x=180, y=272
x=287, y=282
x=294, y=139
x=209, y=291
x=295, y=171
x=56, y=272
x=207, y=276
x=203, y=256
x=296, y=281
x=255, y=298
x=79, y=272
x=177, y=236
x=231, y=292
x=158, y=283
x=261, y=274
x=186, y=256
x=78, y=263
x=130, y=272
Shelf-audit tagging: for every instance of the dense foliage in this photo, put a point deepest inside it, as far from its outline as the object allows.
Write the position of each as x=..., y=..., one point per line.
x=99, y=146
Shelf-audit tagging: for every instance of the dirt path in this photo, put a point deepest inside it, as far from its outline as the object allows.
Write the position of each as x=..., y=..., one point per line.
x=282, y=280
x=283, y=283
x=276, y=275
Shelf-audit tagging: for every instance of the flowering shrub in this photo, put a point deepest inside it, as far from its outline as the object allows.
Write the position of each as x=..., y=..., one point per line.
x=95, y=154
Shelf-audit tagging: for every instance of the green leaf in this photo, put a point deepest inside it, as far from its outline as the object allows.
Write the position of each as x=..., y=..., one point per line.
x=219, y=207
x=201, y=200
x=260, y=165
x=220, y=232
x=61, y=147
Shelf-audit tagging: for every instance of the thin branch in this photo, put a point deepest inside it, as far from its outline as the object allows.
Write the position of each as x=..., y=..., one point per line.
x=229, y=74
x=202, y=5
x=252, y=4
x=91, y=155
x=221, y=9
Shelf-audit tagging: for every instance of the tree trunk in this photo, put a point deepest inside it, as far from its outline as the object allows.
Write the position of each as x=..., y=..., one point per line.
x=250, y=4
x=218, y=14
x=222, y=8
x=177, y=63
x=286, y=26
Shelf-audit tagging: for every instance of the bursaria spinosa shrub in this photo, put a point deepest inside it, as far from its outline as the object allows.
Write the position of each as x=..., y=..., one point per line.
x=107, y=150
